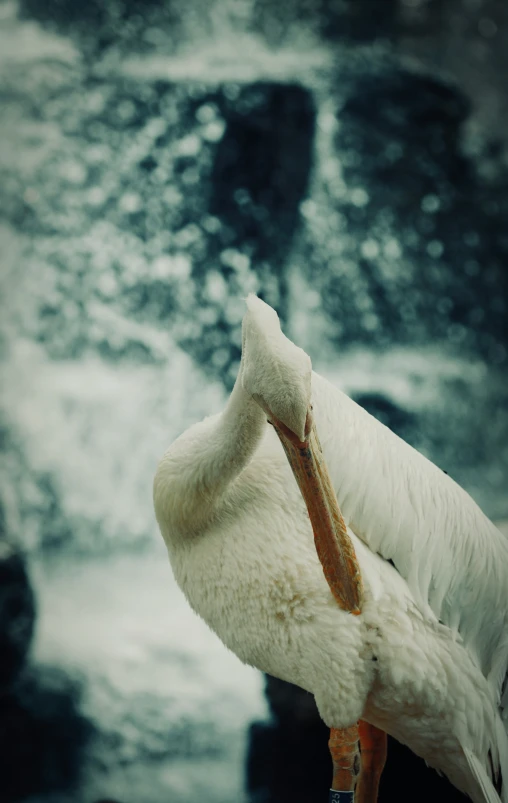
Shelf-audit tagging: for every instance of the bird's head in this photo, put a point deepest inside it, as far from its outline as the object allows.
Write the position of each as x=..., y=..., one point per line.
x=275, y=372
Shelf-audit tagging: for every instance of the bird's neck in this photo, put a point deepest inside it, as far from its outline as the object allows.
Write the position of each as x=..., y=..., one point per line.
x=194, y=477
x=238, y=432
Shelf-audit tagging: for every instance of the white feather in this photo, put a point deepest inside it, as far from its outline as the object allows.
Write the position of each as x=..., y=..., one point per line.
x=489, y=794
x=454, y=559
x=242, y=550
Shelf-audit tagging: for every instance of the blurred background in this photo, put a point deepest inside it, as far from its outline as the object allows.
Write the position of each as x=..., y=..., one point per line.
x=345, y=159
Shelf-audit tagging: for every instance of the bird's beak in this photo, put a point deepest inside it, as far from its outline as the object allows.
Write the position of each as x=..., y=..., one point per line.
x=333, y=544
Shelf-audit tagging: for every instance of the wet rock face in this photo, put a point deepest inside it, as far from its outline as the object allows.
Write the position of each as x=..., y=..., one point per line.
x=41, y=732
x=404, y=131
x=358, y=20
x=42, y=736
x=425, y=233
x=288, y=760
x=17, y=614
x=335, y=20
x=262, y=167
x=259, y=178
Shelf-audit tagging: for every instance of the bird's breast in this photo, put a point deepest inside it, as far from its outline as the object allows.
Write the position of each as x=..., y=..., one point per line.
x=261, y=590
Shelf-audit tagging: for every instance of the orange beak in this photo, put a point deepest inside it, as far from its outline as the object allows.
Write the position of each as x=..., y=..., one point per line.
x=333, y=544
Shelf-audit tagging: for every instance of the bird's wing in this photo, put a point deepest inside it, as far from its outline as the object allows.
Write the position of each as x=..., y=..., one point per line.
x=410, y=512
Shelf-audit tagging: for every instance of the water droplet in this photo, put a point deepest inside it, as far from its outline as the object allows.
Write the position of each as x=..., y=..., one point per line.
x=359, y=197
x=435, y=249
x=430, y=203
x=369, y=249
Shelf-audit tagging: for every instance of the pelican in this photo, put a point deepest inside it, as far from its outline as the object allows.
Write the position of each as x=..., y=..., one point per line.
x=373, y=581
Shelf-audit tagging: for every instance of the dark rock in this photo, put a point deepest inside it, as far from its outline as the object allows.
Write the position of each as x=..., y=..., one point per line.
x=336, y=20
x=261, y=174
x=290, y=705
x=262, y=166
x=358, y=20
x=407, y=776
x=404, y=130
x=257, y=180
x=288, y=760
x=17, y=614
x=42, y=736
x=419, y=261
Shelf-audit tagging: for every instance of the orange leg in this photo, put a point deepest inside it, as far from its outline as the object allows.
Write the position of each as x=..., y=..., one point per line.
x=345, y=754
x=373, y=743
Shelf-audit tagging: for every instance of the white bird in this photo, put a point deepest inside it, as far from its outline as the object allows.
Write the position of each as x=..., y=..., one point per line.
x=426, y=658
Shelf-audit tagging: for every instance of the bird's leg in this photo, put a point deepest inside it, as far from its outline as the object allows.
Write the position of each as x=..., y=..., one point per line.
x=340, y=566
x=373, y=743
x=345, y=754
x=333, y=544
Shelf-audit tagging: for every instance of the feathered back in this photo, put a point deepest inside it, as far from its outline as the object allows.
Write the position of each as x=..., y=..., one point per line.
x=403, y=507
